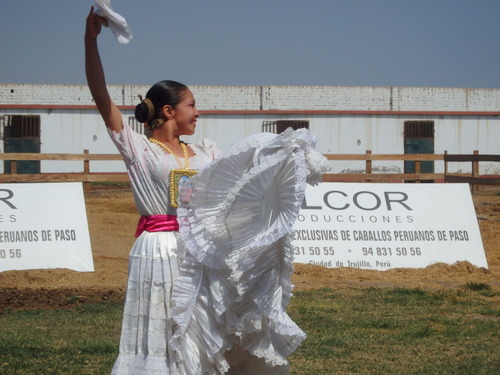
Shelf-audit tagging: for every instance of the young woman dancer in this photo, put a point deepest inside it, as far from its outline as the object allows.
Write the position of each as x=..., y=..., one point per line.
x=208, y=296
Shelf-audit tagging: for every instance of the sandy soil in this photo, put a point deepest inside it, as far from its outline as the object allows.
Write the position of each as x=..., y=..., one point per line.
x=112, y=220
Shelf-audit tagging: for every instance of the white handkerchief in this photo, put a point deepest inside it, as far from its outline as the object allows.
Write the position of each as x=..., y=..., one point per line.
x=116, y=22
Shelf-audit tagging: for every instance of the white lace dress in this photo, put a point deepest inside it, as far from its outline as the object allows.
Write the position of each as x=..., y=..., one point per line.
x=211, y=299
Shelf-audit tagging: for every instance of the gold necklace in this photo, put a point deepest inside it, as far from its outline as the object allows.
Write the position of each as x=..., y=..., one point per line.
x=169, y=151
x=178, y=176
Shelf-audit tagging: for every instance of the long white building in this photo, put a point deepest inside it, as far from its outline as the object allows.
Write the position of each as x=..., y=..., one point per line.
x=347, y=120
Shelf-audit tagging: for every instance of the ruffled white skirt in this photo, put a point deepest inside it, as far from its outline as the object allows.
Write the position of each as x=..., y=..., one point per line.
x=147, y=329
x=222, y=310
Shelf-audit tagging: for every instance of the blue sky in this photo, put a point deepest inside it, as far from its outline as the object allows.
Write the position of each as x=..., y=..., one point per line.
x=425, y=43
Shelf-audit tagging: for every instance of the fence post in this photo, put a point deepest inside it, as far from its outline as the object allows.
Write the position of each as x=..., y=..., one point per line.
x=13, y=167
x=86, y=172
x=445, y=164
x=417, y=171
x=475, y=172
x=368, y=166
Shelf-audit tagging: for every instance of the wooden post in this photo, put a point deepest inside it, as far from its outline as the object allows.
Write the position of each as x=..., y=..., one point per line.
x=417, y=171
x=13, y=167
x=86, y=172
x=368, y=166
x=445, y=165
x=475, y=172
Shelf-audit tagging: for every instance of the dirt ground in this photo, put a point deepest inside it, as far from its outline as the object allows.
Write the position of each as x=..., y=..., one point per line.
x=112, y=221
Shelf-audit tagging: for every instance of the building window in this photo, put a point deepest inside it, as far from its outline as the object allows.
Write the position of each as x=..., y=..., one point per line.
x=279, y=126
x=21, y=126
x=419, y=129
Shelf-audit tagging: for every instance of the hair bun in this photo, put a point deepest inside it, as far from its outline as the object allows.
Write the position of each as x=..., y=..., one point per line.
x=144, y=111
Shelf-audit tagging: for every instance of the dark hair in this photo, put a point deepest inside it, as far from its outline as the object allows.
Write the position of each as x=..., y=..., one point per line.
x=160, y=94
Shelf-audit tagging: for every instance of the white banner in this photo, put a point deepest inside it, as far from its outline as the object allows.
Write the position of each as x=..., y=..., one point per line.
x=44, y=225
x=384, y=226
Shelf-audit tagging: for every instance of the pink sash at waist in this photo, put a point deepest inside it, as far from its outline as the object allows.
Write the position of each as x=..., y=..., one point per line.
x=157, y=223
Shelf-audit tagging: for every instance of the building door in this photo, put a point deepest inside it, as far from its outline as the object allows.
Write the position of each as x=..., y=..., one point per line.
x=22, y=134
x=419, y=139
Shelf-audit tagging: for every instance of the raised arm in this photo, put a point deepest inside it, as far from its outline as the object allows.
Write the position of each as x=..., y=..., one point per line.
x=95, y=74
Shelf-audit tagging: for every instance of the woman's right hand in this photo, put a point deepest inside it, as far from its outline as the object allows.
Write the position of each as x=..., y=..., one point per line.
x=95, y=73
x=94, y=24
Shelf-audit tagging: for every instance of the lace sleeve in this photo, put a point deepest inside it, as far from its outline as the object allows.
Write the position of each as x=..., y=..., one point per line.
x=130, y=144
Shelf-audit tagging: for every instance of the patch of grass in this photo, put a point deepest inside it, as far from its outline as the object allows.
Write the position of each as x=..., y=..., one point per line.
x=476, y=286
x=80, y=340
x=396, y=331
x=349, y=331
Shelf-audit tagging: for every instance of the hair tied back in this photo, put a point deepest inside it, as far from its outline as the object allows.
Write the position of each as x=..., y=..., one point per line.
x=145, y=110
